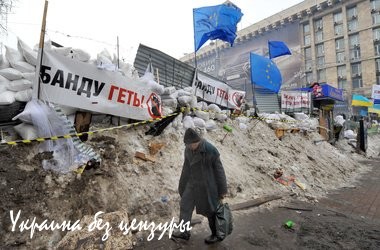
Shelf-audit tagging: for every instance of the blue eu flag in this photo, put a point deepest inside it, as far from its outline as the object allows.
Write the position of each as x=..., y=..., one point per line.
x=278, y=48
x=215, y=22
x=265, y=73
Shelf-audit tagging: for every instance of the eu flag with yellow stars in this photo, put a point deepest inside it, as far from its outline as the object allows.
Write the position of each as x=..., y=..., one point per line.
x=215, y=22
x=265, y=73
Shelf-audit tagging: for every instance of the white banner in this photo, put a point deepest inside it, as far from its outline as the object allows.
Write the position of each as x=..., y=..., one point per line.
x=81, y=85
x=376, y=92
x=215, y=91
x=295, y=100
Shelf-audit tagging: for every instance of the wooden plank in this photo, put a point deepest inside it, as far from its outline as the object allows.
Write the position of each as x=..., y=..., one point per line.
x=255, y=202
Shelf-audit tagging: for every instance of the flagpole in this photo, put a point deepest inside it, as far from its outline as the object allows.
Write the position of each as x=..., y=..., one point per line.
x=195, y=45
x=41, y=47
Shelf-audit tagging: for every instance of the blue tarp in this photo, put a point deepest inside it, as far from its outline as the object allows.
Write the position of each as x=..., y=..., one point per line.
x=326, y=92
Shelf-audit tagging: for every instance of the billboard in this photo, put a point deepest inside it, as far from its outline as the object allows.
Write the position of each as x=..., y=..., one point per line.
x=232, y=64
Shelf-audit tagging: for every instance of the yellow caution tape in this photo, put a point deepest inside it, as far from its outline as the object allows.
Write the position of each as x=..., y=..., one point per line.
x=68, y=136
x=183, y=110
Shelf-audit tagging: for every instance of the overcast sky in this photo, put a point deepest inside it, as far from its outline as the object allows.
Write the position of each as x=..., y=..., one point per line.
x=92, y=25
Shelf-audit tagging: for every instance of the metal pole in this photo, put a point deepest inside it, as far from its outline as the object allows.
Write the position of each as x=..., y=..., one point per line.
x=41, y=46
x=117, y=49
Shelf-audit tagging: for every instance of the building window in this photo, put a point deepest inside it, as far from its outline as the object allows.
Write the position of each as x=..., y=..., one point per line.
x=377, y=61
x=309, y=77
x=321, y=75
x=375, y=18
x=318, y=24
x=377, y=49
x=307, y=53
x=320, y=61
x=340, y=57
x=338, y=29
x=338, y=18
x=356, y=70
x=306, y=28
x=375, y=5
x=355, y=54
x=354, y=40
x=342, y=72
x=378, y=80
x=352, y=25
x=339, y=44
x=338, y=24
x=319, y=36
x=318, y=28
x=376, y=34
x=320, y=50
x=307, y=40
x=308, y=65
x=357, y=83
x=342, y=83
x=352, y=13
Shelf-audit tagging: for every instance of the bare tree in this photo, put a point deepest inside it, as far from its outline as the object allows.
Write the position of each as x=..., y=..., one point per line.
x=5, y=9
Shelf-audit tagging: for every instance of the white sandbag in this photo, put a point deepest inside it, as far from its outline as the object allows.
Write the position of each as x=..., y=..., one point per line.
x=106, y=54
x=169, y=90
x=68, y=110
x=24, y=67
x=301, y=116
x=349, y=134
x=7, y=97
x=177, y=122
x=188, y=89
x=171, y=103
x=155, y=87
x=221, y=117
x=64, y=51
x=199, y=123
x=242, y=119
x=30, y=56
x=182, y=92
x=166, y=111
x=170, y=96
x=203, y=115
x=188, y=122
x=29, y=76
x=19, y=85
x=26, y=131
x=243, y=126
x=269, y=118
x=80, y=55
x=214, y=107
x=3, y=87
x=24, y=95
x=183, y=100
x=4, y=62
x=47, y=45
x=193, y=102
x=211, y=125
x=339, y=120
x=11, y=74
x=3, y=80
x=126, y=69
x=13, y=55
x=202, y=105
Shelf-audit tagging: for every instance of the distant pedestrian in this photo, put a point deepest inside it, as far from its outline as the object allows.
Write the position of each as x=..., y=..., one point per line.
x=202, y=183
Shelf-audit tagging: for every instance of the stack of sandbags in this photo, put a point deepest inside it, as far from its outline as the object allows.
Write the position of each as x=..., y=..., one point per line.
x=169, y=98
x=17, y=72
x=186, y=98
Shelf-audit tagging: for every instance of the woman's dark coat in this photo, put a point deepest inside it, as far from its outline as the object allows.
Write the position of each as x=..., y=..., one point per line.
x=203, y=179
